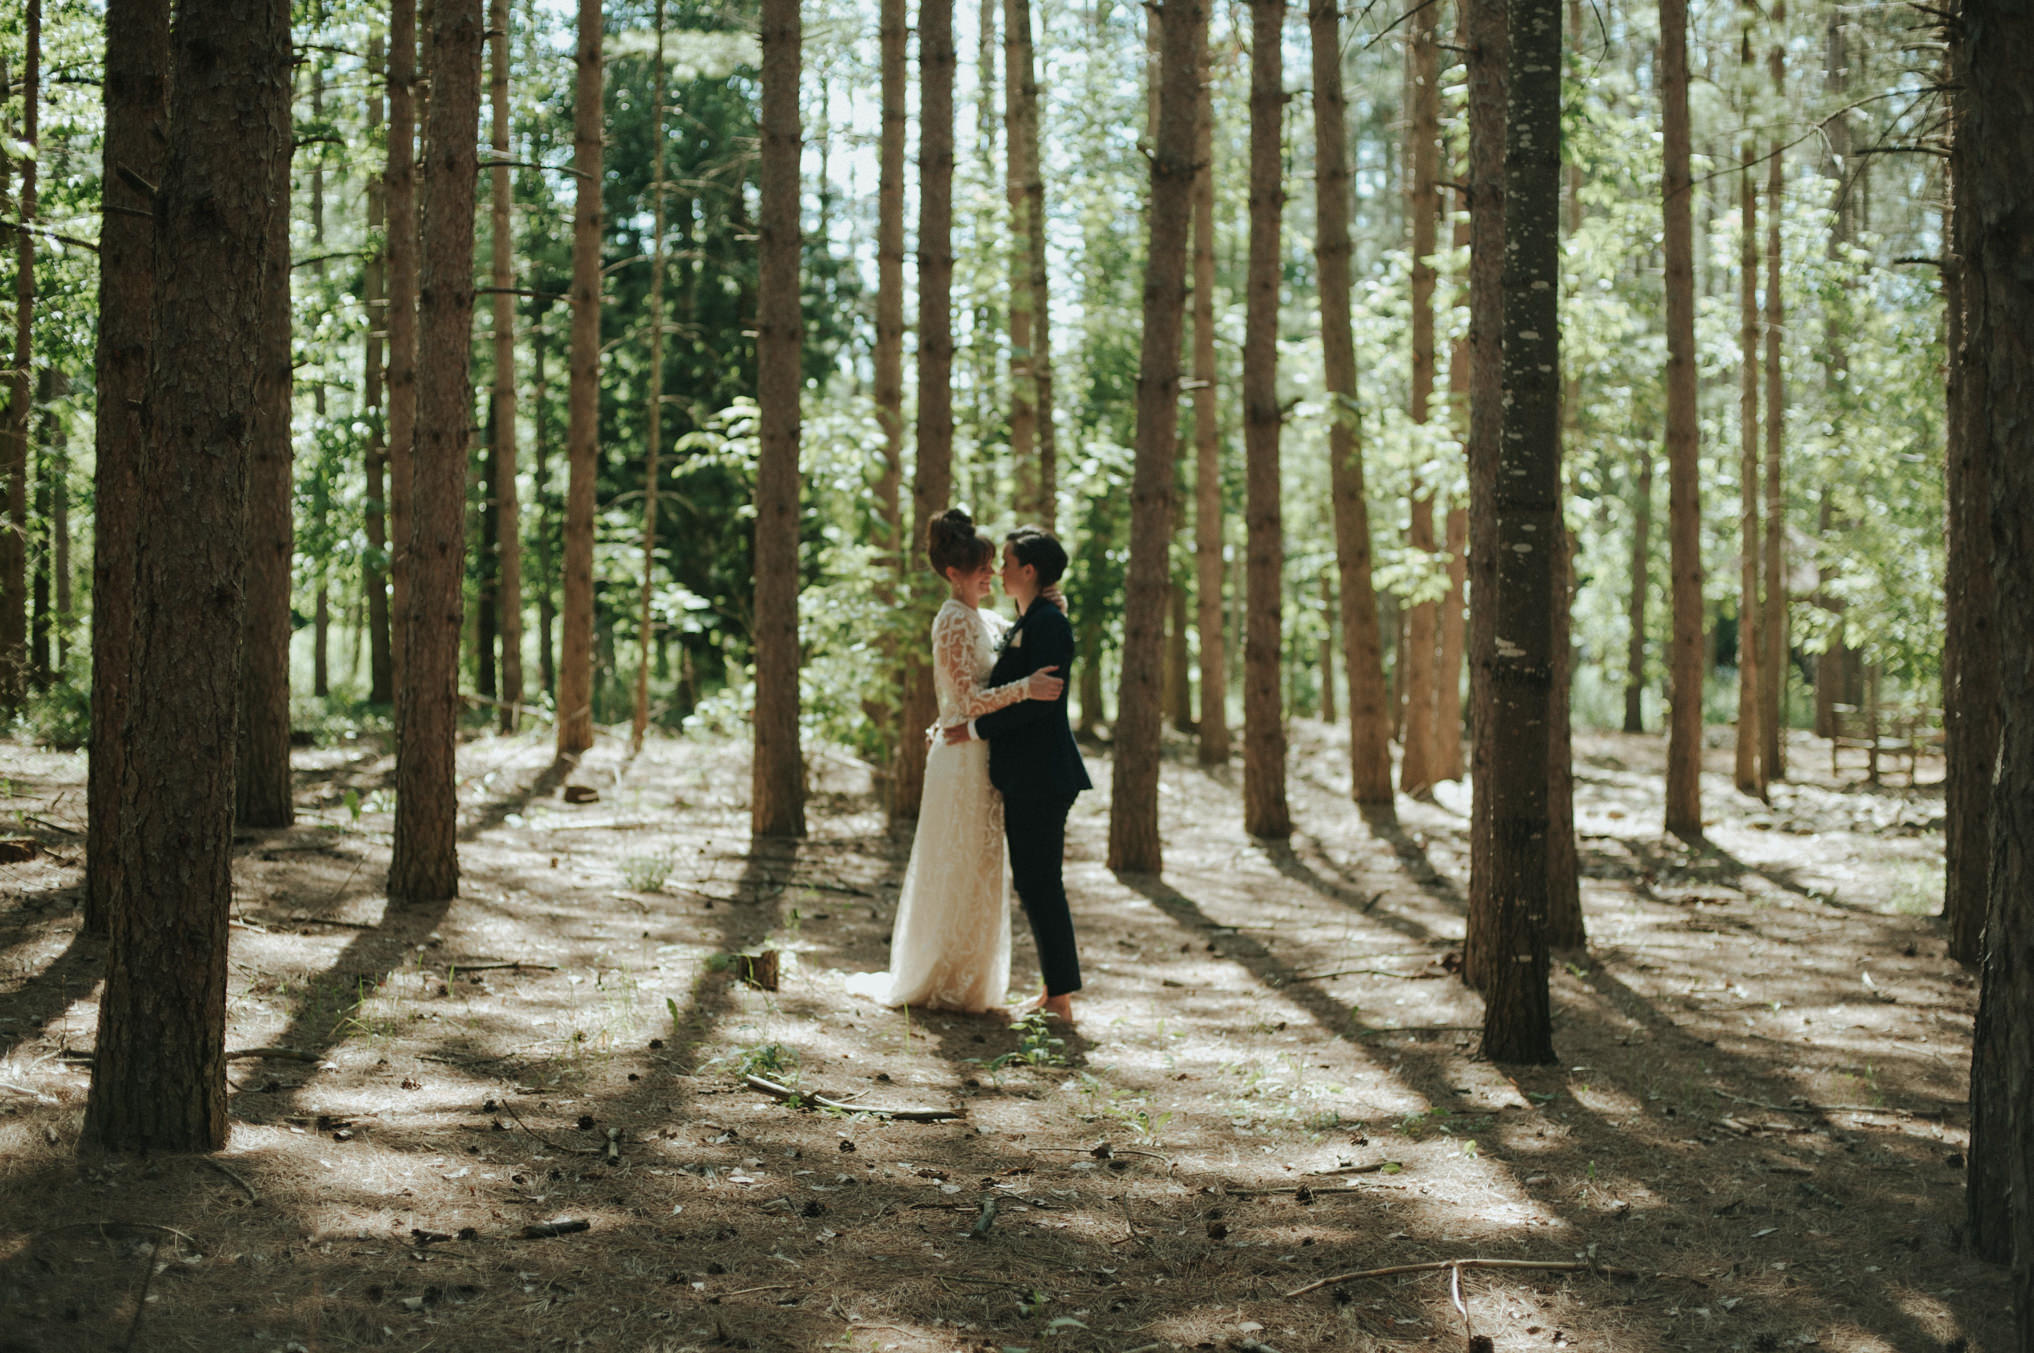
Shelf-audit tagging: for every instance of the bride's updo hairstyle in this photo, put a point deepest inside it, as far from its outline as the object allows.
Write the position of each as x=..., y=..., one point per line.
x=951, y=541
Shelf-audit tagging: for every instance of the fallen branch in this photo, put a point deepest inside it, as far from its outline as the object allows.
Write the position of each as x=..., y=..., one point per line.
x=564, y=1226
x=785, y=1092
x=301, y=919
x=1309, y=1190
x=1416, y=976
x=1803, y=1106
x=220, y=1166
x=275, y=1054
x=495, y=967
x=555, y=1146
x=1372, y=1168
x=1547, y=1266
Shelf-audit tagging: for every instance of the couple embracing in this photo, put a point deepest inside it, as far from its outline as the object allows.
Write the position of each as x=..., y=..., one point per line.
x=1002, y=767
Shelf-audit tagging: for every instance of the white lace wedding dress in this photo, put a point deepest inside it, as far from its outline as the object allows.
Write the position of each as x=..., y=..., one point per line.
x=951, y=945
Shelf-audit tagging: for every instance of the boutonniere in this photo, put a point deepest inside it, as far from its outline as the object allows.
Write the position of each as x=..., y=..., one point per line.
x=1013, y=637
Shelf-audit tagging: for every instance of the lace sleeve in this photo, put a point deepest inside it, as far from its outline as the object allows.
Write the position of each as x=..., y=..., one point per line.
x=954, y=637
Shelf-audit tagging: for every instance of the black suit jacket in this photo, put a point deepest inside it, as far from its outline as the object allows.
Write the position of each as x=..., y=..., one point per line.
x=1031, y=750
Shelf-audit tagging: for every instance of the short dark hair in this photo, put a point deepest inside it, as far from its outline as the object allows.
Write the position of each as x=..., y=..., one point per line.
x=1036, y=546
x=951, y=541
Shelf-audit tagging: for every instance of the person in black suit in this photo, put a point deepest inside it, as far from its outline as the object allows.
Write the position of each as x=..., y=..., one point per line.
x=1033, y=760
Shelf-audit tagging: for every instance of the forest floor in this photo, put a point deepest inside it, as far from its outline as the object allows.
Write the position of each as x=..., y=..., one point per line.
x=1755, y=1131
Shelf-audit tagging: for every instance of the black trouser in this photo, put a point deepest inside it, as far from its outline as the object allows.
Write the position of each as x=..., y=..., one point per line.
x=1036, y=831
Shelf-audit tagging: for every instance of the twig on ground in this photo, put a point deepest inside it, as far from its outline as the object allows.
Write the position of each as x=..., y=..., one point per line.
x=747, y=1291
x=1455, y=1295
x=275, y=1054
x=555, y=1146
x=986, y=1219
x=302, y=919
x=1548, y=1266
x=1803, y=1106
x=1373, y=1167
x=986, y=1282
x=1417, y=975
x=1238, y=1191
x=785, y=1092
x=220, y=1166
x=495, y=967
x=563, y=1226
x=141, y=1299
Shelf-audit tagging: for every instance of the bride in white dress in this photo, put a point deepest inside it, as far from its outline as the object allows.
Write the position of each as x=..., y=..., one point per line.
x=950, y=949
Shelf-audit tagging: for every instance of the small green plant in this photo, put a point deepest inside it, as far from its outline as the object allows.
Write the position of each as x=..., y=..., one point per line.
x=765, y=1059
x=647, y=873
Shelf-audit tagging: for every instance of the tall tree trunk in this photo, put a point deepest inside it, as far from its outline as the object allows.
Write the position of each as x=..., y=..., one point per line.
x=1773, y=608
x=159, y=1076
x=1209, y=568
x=777, y=806
x=1750, y=777
x=1264, y=807
x=14, y=665
x=1517, y=1018
x=646, y=622
x=1487, y=47
x=1565, y=927
x=540, y=488
x=321, y=610
x=1454, y=612
x=424, y=865
x=1362, y=641
x=582, y=435
x=1415, y=767
x=900, y=752
x=1832, y=662
x=1994, y=182
x=60, y=525
x=1179, y=695
x=934, y=482
x=1641, y=585
x=481, y=529
x=374, y=572
x=1970, y=657
x=1134, y=845
x=1328, y=708
x=262, y=746
x=1020, y=143
x=1684, y=507
x=136, y=102
x=508, y=508
x=1047, y=507
x=401, y=185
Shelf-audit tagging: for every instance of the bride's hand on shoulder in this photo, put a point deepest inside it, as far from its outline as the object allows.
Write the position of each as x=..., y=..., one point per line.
x=1057, y=598
x=1043, y=685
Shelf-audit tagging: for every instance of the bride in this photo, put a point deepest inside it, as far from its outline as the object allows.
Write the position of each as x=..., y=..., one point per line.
x=951, y=946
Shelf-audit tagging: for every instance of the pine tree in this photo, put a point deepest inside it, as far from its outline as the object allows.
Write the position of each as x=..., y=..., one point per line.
x=582, y=445
x=777, y=803
x=159, y=1070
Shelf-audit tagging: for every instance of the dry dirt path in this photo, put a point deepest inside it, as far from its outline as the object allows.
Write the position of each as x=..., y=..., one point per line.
x=1759, y=1110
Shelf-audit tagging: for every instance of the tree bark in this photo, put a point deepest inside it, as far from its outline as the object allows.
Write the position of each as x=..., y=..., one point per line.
x=159, y=1076
x=1209, y=570
x=1684, y=514
x=540, y=488
x=934, y=482
x=1641, y=585
x=424, y=865
x=1265, y=813
x=654, y=416
x=900, y=752
x=401, y=186
x=1362, y=640
x=261, y=786
x=1750, y=777
x=1047, y=505
x=508, y=539
x=582, y=445
x=1970, y=672
x=1020, y=105
x=1773, y=607
x=321, y=609
x=1517, y=1018
x=1134, y=845
x=1995, y=188
x=14, y=664
x=136, y=102
x=374, y=289
x=1454, y=612
x=1565, y=926
x=1487, y=46
x=777, y=806
x=1832, y=663
x=1415, y=767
